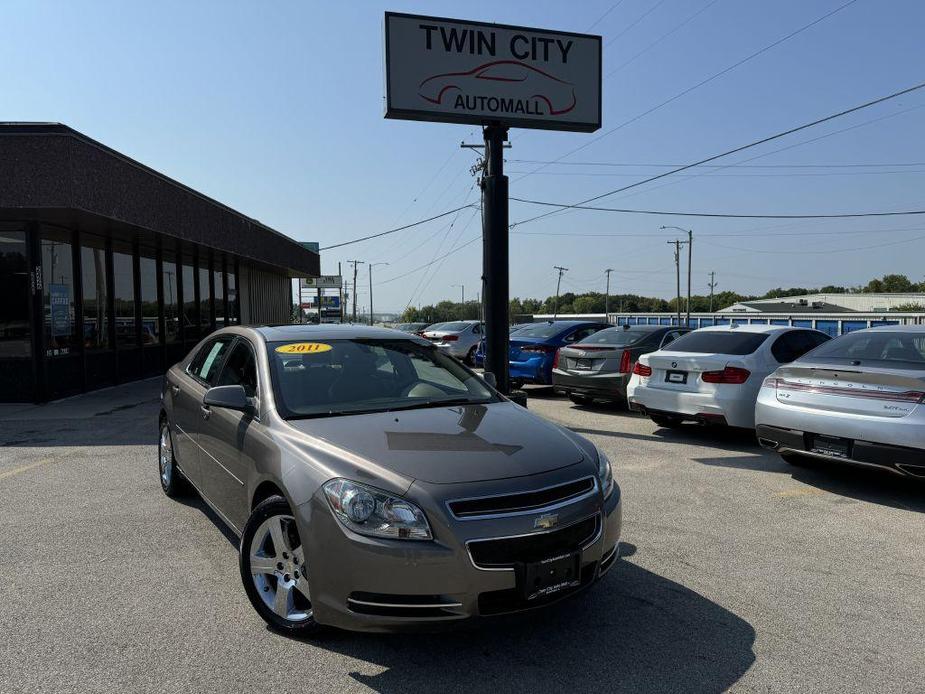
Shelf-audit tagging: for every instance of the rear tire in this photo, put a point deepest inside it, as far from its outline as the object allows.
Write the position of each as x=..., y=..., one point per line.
x=273, y=564
x=666, y=421
x=580, y=399
x=470, y=357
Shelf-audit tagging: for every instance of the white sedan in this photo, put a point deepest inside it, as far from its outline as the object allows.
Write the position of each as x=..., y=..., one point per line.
x=713, y=375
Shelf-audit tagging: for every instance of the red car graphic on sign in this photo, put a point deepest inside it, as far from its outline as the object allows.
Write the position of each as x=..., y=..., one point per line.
x=558, y=95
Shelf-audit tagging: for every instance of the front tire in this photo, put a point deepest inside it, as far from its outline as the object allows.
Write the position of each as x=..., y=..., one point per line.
x=172, y=481
x=470, y=357
x=273, y=569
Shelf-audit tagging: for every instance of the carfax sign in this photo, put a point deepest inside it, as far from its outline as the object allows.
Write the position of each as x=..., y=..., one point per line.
x=455, y=71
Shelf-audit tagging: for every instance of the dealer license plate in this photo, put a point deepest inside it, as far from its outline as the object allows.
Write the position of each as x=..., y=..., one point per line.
x=831, y=446
x=676, y=377
x=583, y=364
x=552, y=575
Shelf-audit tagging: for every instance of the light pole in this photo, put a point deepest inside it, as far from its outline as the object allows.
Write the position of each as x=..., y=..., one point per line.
x=355, y=263
x=690, y=249
x=607, y=294
x=371, y=266
x=562, y=271
x=463, y=288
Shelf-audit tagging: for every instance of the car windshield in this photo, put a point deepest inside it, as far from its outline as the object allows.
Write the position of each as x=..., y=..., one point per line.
x=338, y=377
x=454, y=327
x=887, y=346
x=718, y=342
x=540, y=330
x=618, y=337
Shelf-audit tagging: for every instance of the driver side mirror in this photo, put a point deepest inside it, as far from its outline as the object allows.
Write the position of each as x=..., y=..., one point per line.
x=490, y=379
x=229, y=397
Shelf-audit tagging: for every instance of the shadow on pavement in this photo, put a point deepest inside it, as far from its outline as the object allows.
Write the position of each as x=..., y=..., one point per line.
x=633, y=631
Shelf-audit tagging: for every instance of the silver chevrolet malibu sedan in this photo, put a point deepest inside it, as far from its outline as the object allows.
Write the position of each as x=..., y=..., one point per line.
x=376, y=483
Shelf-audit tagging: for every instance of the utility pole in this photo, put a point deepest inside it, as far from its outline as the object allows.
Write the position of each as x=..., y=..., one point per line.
x=340, y=292
x=495, y=250
x=371, y=266
x=690, y=247
x=355, y=263
x=562, y=271
x=712, y=286
x=463, y=288
x=607, y=293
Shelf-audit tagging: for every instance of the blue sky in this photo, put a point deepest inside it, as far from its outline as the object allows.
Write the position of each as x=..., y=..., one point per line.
x=276, y=110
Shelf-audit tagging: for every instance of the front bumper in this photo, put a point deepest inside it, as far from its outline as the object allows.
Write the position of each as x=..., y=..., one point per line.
x=606, y=385
x=368, y=584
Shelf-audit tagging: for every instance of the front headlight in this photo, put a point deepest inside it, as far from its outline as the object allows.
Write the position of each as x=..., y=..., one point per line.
x=604, y=472
x=371, y=511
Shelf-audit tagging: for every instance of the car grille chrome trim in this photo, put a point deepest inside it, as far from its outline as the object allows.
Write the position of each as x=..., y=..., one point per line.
x=402, y=605
x=583, y=544
x=588, y=488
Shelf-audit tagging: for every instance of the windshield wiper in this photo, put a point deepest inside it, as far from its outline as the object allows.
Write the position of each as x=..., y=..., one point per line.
x=396, y=408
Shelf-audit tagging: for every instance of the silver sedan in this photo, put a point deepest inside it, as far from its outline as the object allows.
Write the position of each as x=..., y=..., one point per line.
x=857, y=399
x=376, y=483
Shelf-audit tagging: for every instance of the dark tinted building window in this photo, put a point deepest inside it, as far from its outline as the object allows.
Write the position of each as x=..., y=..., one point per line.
x=205, y=297
x=234, y=311
x=218, y=291
x=15, y=322
x=123, y=275
x=95, y=292
x=60, y=324
x=150, y=325
x=190, y=321
x=171, y=297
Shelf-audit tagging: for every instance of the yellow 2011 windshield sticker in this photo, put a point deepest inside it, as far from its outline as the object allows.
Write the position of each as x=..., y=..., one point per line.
x=303, y=348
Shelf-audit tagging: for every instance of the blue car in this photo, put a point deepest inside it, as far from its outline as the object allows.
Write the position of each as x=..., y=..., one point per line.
x=534, y=347
x=480, y=351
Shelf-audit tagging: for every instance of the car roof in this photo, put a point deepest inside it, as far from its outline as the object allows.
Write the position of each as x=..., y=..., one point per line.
x=894, y=328
x=749, y=328
x=330, y=331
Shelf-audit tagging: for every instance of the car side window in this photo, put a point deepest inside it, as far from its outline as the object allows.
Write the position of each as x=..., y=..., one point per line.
x=207, y=363
x=581, y=334
x=787, y=347
x=808, y=340
x=669, y=338
x=477, y=329
x=240, y=369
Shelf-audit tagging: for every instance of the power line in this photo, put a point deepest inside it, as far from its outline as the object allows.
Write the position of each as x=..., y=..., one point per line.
x=607, y=12
x=426, y=265
x=848, y=215
x=401, y=228
x=716, y=166
x=735, y=150
x=633, y=24
x=700, y=84
x=594, y=174
x=661, y=38
x=736, y=235
x=804, y=251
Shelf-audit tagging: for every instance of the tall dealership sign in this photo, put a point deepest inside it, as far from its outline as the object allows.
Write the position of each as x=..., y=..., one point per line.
x=468, y=72
x=497, y=76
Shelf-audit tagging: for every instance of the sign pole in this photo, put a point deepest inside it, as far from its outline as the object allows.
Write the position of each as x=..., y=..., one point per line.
x=495, y=256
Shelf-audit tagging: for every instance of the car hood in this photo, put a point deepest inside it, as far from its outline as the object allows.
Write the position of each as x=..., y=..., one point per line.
x=446, y=445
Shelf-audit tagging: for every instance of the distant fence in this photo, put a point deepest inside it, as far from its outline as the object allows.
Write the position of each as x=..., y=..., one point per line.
x=833, y=324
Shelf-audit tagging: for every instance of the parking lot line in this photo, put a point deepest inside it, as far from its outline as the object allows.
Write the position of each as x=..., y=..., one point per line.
x=25, y=468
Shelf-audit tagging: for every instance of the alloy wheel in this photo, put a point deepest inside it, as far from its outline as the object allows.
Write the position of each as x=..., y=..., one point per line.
x=277, y=568
x=165, y=455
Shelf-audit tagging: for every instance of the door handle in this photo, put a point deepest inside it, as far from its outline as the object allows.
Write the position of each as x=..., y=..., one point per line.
x=206, y=411
x=175, y=389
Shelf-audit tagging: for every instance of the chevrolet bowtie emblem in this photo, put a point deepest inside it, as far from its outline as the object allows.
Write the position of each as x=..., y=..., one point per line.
x=547, y=521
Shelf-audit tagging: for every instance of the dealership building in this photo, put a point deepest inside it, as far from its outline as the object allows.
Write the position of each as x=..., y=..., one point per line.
x=110, y=271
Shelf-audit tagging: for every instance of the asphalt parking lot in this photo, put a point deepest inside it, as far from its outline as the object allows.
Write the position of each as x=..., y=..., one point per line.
x=741, y=573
